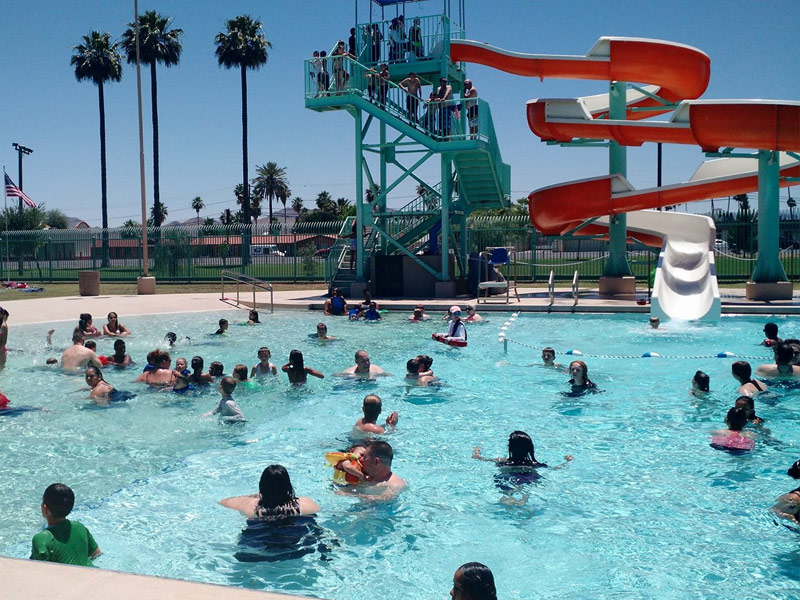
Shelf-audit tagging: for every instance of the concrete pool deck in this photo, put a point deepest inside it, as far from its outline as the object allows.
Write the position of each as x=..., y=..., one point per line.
x=34, y=580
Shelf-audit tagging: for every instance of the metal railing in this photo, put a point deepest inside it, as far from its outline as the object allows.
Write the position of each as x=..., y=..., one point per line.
x=575, y=289
x=551, y=288
x=240, y=280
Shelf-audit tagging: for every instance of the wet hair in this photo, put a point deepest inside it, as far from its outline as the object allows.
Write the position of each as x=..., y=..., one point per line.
x=95, y=370
x=240, y=372
x=372, y=407
x=783, y=354
x=228, y=384
x=197, y=363
x=520, y=449
x=381, y=450
x=412, y=366
x=112, y=313
x=702, y=380
x=276, y=494
x=51, y=361
x=119, y=345
x=477, y=581
x=77, y=335
x=425, y=361
x=296, y=360
x=585, y=369
x=550, y=350
x=223, y=322
x=90, y=344
x=322, y=326
x=253, y=316
x=742, y=370
x=215, y=369
x=59, y=499
x=794, y=470
x=771, y=330
x=736, y=418
x=170, y=338
x=84, y=320
x=747, y=403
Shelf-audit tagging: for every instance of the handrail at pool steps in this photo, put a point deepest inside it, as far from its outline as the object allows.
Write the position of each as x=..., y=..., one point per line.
x=551, y=287
x=254, y=283
x=575, y=288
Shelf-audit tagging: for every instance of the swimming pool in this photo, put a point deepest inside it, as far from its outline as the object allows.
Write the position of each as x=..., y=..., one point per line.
x=647, y=509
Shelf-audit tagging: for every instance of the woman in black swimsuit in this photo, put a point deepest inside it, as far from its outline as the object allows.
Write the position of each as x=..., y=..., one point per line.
x=742, y=373
x=788, y=505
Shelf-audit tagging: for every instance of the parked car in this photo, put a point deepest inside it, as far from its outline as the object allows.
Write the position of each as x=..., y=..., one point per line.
x=265, y=250
x=721, y=246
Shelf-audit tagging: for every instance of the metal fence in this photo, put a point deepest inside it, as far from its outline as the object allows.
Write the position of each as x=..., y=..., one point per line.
x=298, y=252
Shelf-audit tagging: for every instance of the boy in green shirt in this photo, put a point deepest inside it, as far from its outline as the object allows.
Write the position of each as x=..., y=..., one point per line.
x=63, y=541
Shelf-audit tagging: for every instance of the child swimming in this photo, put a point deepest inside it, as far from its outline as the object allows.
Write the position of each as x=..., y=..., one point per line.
x=264, y=367
x=296, y=369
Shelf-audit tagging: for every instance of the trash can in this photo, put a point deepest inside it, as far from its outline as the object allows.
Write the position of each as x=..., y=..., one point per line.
x=89, y=283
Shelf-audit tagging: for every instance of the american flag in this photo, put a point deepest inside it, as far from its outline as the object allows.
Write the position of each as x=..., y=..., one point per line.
x=15, y=192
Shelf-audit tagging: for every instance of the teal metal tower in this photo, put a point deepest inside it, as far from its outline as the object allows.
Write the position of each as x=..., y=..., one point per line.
x=397, y=132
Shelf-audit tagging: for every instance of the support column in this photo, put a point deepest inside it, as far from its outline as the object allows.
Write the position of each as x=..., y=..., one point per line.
x=359, y=197
x=445, y=288
x=768, y=281
x=617, y=277
x=382, y=202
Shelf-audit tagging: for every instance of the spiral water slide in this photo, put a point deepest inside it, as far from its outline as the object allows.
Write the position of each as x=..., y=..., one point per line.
x=675, y=75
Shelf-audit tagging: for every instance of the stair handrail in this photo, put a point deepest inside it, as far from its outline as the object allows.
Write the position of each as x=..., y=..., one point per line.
x=551, y=288
x=253, y=282
x=575, y=288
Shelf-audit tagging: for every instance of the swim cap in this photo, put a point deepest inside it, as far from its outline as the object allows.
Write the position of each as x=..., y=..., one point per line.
x=455, y=309
x=3, y=400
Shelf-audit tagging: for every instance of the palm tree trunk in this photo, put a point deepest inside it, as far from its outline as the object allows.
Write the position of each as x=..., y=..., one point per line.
x=270, y=209
x=154, y=108
x=103, y=187
x=245, y=186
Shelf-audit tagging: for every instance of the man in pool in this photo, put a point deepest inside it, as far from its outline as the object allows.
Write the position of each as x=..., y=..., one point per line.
x=78, y=356
x=654, y=322
x=771, y=335
x=376, y=465
x=363, y=368
x=782, y=367
x=372, y=409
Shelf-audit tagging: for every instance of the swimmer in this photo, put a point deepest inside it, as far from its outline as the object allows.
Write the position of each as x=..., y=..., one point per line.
x=264, y=367
x=223, y=327
x=472, y=316
x=795, y=344
x=655, y=322
x=349, y=469
x=275, y=498
x=749, y=405
x=700, y=384
x=197, y=377
x=159, y=374
x=240, y=373
x=181, y=374
x=788, y=505
x=101, y=389
x=419, y=314
x=322, y=333
x=354, y=314
x=549, y=359
x=63, y=541
x=372, y=409
x=473, y=581
x=419, y=370
x=520, y=453
x=742, y=373
x=771, y=335
x=48, y=338
x=363, y=368
x=782, y=367
x=170, y=339
x=119, y=358
x=376, y=465
x=227, y=407
x=85, y=325
x=92, y=345
x=114, y=327
x=4, y=336
x=252, y=317
x=216, y=369
x=371, y=313
x=296, y=369
x=336, y=305
x=580, y=381
x=78, y=356
x=456, y=329
x=734, y=437
x=13, y=411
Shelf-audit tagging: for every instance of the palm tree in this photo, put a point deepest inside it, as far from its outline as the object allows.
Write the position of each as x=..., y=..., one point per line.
x=297, y=206
x=197, y=206
x=158, y=213
x=157, y=44
x=243, y=45
x=98, y=60
x=342, y=206
x=270, y=183
x=325, y=202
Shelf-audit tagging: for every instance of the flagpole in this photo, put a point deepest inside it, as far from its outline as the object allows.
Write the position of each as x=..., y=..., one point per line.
x=145, y=258
x=5, y=219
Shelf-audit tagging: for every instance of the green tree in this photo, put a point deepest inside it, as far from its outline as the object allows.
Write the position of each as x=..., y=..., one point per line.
x=98, y=60
x=343, y=207
x=271, y=183
x=197, y=206
x=157, y=44
x=325, y=203
x=55, y=219
x=297, y=205
x=158, y=214
x=131, y=230
x=22, y=231
x=243, y=45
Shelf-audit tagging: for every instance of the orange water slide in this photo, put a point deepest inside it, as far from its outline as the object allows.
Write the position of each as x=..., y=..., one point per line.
x=679, y=71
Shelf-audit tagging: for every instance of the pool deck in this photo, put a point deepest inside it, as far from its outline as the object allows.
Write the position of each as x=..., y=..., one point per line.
x=34, y=581
x=35, y=310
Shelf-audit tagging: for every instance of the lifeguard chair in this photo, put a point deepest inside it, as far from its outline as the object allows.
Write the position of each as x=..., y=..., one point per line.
x=494, y=278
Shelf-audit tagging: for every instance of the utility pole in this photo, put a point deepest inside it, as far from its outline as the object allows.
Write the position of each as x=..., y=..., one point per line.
x=20, y=151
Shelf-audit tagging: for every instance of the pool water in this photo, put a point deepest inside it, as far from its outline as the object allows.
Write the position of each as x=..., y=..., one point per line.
x=647, y=509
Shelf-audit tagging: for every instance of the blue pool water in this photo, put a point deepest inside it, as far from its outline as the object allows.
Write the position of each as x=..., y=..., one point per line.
x=647, y=509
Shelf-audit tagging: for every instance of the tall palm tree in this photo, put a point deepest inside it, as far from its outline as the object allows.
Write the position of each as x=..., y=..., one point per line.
x=297, y=205
x=271, y=183
x=197, y=206
x=157, y=44
x=243, y=45
x=98, y=60
x=158, y=213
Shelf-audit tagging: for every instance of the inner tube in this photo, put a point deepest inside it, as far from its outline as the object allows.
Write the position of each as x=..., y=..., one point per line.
x=440, y=337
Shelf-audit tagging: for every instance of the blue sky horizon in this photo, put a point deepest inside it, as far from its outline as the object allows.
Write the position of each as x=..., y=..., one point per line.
x=47, y=109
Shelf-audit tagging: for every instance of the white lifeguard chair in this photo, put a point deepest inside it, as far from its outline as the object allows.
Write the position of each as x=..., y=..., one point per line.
x=494, y=278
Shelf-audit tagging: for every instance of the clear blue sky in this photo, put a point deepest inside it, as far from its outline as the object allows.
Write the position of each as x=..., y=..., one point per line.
x=753, y=48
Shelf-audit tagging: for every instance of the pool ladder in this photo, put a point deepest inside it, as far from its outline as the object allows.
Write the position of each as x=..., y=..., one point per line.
x=551, y=288
x=240, y=279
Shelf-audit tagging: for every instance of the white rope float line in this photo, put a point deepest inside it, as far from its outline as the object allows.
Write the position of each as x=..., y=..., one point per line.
x=723, y=354
x=570, y=264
